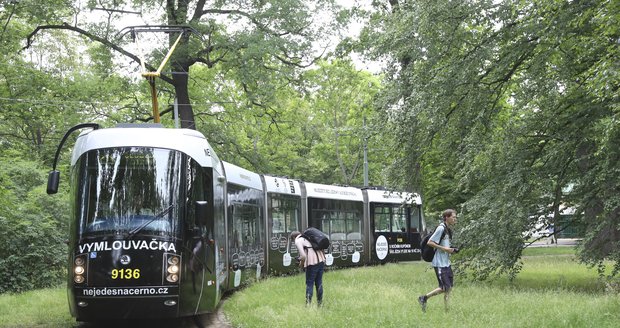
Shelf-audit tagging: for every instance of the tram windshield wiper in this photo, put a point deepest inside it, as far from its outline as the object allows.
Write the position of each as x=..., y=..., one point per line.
x=158, y=216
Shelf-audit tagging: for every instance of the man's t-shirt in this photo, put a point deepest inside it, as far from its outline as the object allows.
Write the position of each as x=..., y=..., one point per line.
x=441, y=259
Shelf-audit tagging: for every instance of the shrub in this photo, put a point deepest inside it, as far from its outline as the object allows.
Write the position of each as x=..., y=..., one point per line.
x=33, y=228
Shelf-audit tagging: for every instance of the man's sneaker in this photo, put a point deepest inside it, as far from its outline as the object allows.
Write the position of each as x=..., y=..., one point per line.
x=422, y=301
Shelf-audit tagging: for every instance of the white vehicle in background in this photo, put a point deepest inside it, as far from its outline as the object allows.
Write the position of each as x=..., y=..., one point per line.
x=540, y=230
x=544, y=227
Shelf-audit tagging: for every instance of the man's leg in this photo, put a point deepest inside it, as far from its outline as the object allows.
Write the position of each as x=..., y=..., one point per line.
x=447, y=277
x=440, y=276
x=434, y=292
x=311, y=272
x=318, y=281
x=446, y=298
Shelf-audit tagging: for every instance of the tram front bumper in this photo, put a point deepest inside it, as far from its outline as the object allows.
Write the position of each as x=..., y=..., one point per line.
x=89, y=309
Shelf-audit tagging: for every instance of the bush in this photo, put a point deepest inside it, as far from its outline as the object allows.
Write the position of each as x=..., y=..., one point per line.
x=33, y=228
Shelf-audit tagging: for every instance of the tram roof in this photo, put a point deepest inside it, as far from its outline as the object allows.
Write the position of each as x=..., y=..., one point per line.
x=242, y=177
x=394, y=197
x=315, y=190
x=190, y=142
x=282, y=185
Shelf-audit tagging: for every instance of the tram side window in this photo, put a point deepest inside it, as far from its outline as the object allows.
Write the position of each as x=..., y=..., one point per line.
x=338, y=226
x=245, y=225
x=391, y=219
x=416, y=219
x=354, y=226
x=339, y=220
x=324, y=222
x=399, y=219
x=197, y=191
x=284, y=215
x=382, y=219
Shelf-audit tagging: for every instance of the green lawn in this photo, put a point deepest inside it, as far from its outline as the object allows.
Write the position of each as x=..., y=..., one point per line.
x=546, y=251
x=39, y=308
x=551, y=291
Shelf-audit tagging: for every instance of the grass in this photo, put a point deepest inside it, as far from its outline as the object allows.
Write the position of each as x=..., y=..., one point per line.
x=546, y=251
x=552, y=290
x=38, y=308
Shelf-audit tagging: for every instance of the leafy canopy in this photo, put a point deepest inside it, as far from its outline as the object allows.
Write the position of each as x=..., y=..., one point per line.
x=508, y=111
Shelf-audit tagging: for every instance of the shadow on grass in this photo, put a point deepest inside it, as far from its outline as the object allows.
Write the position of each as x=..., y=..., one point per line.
x=206, y=320
x=558, y=283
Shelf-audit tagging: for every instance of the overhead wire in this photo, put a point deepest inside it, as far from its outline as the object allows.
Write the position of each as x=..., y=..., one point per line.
x=107, y=103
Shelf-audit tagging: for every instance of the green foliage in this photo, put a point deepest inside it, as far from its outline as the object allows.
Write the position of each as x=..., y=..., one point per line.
x=506, y=111
x=313, y=133
x=33, y=228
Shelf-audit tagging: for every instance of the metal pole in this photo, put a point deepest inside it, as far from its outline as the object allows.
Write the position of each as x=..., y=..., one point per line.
x=176, y=112
x=154, y=100
x=365, y=156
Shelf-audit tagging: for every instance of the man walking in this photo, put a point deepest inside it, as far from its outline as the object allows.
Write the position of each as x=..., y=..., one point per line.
x=441, y=260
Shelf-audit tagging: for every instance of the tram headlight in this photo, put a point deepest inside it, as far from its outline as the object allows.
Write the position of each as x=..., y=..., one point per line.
x=173, y=269
x=172, y=277
x=79, y=269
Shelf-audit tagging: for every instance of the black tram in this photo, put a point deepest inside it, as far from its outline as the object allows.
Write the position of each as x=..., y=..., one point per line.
x=161, y=227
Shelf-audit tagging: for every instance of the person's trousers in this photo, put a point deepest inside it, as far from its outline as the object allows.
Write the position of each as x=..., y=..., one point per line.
x=314, y=277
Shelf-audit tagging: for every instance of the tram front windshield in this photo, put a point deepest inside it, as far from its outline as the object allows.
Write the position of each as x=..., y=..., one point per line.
x=128, y=191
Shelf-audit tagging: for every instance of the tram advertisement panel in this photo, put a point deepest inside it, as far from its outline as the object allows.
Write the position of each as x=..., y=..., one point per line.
x=396, y=247
x=396, y=231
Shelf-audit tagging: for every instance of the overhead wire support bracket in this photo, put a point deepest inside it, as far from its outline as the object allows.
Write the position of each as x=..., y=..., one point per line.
x=151, y=76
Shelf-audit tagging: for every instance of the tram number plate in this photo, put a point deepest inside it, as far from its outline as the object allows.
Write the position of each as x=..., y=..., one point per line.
x=125, y=274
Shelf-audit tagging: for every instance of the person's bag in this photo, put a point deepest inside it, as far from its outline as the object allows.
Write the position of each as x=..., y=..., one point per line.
x=317, y=238
x=427, y=251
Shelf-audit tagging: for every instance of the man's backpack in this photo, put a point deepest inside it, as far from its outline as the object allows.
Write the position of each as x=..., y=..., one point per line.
x=428, y=252
x=317, y=238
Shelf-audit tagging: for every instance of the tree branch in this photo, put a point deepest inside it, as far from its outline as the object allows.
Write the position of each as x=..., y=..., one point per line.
x=65, y=26
x=240, y=13
x=8, y=20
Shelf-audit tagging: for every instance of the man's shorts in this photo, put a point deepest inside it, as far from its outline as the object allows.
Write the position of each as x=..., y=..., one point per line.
x=445, y=277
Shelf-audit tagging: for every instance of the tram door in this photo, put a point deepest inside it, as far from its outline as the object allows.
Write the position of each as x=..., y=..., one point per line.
x=396, y=231
x=198, y=264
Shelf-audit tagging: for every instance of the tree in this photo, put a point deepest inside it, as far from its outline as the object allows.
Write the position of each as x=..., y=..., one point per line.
x=254, y=39
x=313, y=132
x=341, y=99
x=46, y=89
x=513, y=107
x=33, y=227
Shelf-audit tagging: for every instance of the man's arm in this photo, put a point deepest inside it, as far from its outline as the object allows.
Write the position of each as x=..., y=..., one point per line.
x=443, y=248
x=439, y=232
x=299, y=243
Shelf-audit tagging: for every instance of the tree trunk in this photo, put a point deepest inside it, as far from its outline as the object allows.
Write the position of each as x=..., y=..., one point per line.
x=186, y=113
